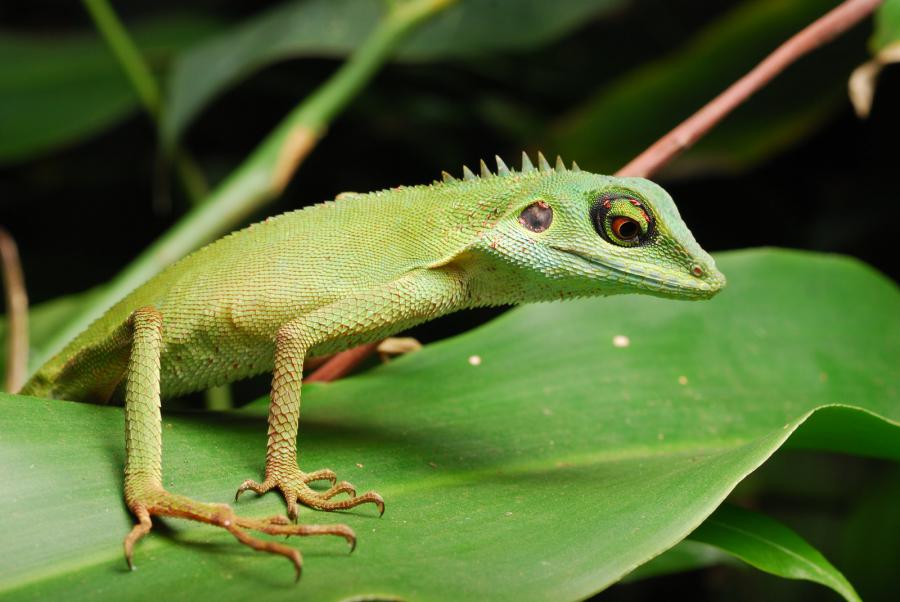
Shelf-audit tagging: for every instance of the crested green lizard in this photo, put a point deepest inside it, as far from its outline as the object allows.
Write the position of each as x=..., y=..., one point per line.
x=357, y=269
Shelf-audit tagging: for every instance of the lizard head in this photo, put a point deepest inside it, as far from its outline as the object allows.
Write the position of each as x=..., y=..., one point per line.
x=587, y=234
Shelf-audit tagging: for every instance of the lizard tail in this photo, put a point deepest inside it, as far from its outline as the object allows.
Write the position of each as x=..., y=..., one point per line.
x=37, y=386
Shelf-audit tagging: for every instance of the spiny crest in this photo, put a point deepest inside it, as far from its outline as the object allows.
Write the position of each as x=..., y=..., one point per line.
x=504, y=171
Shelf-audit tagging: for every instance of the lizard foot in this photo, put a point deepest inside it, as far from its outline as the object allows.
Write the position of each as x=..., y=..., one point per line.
x=159, y=502
x=293, y=484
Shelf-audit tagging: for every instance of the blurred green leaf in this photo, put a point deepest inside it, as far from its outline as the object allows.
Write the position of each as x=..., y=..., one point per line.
x=687, y=555
x=56, y=90
x=887, y=26
x=550, y=470
x=870, y=533
x=629, y=114
x=333, y=28
x=770, y=546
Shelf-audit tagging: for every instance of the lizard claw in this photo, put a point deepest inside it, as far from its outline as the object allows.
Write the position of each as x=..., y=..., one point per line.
x=294, y=487
x=159, y=502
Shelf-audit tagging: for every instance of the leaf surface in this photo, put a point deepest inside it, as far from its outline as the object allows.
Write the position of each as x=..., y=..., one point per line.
x=549, y=471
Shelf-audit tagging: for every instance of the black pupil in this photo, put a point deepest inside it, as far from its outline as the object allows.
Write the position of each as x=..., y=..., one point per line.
x=628, y=229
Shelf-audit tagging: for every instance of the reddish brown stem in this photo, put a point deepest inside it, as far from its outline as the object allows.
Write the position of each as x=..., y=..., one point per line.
x=342, y=364
x=685, y=135
x=821, y=31
x=16, y=313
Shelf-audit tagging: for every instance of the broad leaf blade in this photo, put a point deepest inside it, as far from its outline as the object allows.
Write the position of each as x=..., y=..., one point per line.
x=552, y=469
x=770, y=546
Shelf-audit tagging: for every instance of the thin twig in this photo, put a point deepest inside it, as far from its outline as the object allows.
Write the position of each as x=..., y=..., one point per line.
x=16, y=313
x=685, y=135
x=821, y=31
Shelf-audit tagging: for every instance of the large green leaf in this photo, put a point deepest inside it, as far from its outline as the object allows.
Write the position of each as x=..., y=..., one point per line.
x=55, y=91
x=556, y=466
x=630, y=113
x=770, y=546
x=335, y=27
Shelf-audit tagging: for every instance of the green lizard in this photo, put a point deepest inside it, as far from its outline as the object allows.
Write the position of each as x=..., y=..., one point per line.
x=326, y=278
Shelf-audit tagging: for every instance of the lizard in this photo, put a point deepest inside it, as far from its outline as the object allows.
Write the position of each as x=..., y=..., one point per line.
x=356, y=269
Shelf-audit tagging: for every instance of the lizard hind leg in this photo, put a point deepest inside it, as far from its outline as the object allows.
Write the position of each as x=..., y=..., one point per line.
x=144, y=492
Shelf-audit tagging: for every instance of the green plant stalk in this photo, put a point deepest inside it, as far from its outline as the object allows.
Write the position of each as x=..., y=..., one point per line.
x=265, y=173
x=145, y=85
x=127, y=53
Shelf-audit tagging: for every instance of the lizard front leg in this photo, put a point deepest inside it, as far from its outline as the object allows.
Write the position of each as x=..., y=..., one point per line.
x=369, y=315
x=282, y=470
x=144, y=491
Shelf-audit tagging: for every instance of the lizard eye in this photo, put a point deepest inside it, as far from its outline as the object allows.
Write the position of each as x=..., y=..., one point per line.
x=622, y=220
x=537, y=216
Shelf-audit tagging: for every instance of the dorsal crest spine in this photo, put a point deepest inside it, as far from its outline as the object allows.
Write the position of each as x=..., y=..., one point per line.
x=544, y=167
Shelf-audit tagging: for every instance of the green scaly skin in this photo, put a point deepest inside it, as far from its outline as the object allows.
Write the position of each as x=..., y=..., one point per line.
x=365, y=266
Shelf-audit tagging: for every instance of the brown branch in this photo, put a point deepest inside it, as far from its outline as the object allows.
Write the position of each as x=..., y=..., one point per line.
x=16, y=313
x=821, y=31
x=686, y=134
x=341, y=364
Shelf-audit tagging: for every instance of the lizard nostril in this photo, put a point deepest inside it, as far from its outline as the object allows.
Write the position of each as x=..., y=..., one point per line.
x=697, y=271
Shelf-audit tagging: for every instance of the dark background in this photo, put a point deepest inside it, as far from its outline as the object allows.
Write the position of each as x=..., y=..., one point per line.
x=81, y=213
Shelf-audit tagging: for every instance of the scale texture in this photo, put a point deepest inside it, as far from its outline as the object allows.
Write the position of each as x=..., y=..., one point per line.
x=350, y=271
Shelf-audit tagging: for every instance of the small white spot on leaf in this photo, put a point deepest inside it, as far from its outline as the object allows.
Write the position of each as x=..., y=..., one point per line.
x=620, y=340
x=475, y=360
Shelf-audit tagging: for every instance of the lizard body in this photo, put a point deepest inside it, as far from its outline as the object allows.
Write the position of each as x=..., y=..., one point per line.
x=322, y=279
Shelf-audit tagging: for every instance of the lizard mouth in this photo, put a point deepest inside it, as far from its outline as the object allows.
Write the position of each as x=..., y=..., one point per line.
x=690, y=286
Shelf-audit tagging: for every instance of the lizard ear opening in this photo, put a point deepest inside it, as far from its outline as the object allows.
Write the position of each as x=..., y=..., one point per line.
x=537, y=216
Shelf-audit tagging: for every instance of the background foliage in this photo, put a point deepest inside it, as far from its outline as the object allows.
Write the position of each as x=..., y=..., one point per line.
x=86, y=182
